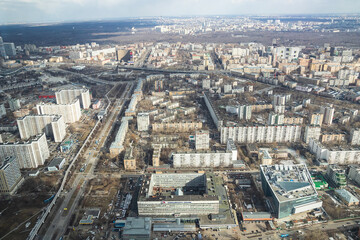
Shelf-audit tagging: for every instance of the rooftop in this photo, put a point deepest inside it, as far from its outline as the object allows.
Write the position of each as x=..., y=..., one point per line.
x=289, y=182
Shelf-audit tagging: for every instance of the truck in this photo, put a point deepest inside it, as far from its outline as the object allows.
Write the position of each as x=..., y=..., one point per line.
x=284, y=235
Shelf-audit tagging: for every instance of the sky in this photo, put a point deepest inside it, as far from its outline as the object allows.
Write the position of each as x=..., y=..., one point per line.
x=43, y=11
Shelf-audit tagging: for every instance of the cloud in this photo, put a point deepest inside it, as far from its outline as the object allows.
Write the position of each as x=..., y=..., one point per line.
x=67, y=10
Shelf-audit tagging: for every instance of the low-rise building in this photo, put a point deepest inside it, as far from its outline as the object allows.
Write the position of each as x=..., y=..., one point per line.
x=347, y=197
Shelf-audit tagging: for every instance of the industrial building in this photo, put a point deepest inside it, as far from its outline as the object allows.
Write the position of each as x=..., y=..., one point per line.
x=179, y=194
x=138, y=228
x=29, y=154
x=10, y=175
x=70, y=111
x=143, y=121
x=53, y=126
x=202, y=159
x=289, y=188
x=56, y=164
x=67, y=96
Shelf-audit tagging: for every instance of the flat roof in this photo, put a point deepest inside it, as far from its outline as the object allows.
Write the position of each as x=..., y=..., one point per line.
x=289, y=182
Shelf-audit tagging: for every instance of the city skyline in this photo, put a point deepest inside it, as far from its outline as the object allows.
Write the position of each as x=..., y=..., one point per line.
x=39, y=11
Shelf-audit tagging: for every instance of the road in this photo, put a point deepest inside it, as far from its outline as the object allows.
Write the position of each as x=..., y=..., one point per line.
x=61, y=221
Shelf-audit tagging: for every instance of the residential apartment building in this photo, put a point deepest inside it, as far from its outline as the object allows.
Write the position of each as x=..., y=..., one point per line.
x=334, y=155
x=67, y=96
x=117, y=146
x=202, y=140
x=32, y=125
x=328, y=114
x=143, y=121
x=176, y=126
x=29, y=154
x=313, y=132
x=245, y=112
x=71, y=111
x=261, y=134
x=202, y=159
x=10, y=175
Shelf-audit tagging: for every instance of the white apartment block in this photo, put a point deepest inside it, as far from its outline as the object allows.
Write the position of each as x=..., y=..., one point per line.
x=279, y=109
x=279, y=100
x=71, y=112
x=289, y=53
x=67, y=96
x=206, y=83
x=276, y=119
x=261, y=134
x=143, y=121
x=202, y=139
x=335, y=155
x=355, y=137
x=245, y=112
x=230, y=146
x=313, y=132
x=32, y=125
x=30, y=154
x=202, y=159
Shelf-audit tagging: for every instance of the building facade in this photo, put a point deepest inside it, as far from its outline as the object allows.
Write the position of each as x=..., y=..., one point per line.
x=202, y=140
x=71, y=112
x=67, y=96
x=10, y=175
x=143, y=121
x=261, y=134
x=290, y=187
x=30, y=154
x=202, y=159
x=32, y=125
